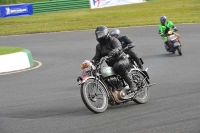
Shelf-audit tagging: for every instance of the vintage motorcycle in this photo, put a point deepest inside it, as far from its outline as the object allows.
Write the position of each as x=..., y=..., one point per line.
x=101, y=86
x=174, y=42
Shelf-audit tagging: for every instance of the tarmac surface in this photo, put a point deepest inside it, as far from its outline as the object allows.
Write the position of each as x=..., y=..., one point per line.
x=47, y=99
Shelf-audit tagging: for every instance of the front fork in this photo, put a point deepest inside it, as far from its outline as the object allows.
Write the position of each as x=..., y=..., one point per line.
x=98, y=81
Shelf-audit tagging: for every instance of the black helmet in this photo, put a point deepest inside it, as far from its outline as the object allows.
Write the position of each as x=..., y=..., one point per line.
x=102, y=34
x=163, y=20
x=115, y=33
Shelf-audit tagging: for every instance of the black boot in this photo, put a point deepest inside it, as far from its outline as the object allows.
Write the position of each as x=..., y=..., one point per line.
x=136, y=59
x=129, y=81
x=140, y=64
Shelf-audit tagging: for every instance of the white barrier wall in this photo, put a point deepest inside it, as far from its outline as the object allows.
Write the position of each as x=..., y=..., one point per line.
x=16, y=61
x=107, y=3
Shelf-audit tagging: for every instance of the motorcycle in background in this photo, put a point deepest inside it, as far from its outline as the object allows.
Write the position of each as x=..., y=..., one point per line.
x=173, y=42
x=101, y=86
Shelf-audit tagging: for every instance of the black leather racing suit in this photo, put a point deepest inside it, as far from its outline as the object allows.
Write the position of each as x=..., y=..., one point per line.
x=119, y=61
x=128, y=45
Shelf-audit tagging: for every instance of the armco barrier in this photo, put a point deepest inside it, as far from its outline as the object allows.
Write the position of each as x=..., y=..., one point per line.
x=59, y=5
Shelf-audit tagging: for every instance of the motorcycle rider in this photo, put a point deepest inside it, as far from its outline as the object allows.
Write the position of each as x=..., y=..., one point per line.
x=127, y=45
x=110, y=46
x=163, y=28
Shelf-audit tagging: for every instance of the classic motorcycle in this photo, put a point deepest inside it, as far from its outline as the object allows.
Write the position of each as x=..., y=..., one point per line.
x=174, y=42
x=101, y=86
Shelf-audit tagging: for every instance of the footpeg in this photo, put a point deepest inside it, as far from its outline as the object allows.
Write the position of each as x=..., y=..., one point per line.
x=126, y=93
x=151, y=85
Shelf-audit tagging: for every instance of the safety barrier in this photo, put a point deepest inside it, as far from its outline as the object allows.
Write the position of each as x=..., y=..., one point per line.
x=15, y=10
x=16, y=61
x=59, y=5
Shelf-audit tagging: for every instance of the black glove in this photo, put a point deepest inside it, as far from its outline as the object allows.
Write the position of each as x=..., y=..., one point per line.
x=126, y=48
x=131, y=45
x=175, y=29
x=92, y=61
x=113, y=52
x=108, y=60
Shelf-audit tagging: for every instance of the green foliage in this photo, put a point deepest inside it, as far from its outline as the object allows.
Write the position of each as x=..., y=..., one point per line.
x=7, y=50
x=6, y=2
x=148, y=13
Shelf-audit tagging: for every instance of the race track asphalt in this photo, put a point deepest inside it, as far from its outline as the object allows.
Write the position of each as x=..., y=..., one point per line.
x=47, y=99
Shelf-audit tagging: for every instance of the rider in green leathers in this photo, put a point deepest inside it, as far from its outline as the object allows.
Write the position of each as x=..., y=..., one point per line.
x=163, y=28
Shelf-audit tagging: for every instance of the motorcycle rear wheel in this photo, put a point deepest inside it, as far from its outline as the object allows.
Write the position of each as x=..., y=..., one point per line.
x=143, y=95
x=96, y=100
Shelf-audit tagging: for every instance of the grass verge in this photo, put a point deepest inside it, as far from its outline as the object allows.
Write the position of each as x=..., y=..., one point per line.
x=148, y=13
x=8, y=50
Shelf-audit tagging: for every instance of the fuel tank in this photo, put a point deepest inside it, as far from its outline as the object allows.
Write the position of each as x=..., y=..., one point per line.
x=107, y=71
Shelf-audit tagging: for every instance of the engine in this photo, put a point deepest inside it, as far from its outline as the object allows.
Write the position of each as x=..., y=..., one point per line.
x=115, y=83
x=115, y=86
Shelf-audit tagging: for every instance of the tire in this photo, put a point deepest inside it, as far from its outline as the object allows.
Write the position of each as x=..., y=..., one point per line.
x=96, y=100
x=143, y=95
x=179, y=50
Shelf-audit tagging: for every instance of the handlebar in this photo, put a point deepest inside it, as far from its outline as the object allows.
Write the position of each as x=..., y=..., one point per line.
x=98, y=63
x=104, y=59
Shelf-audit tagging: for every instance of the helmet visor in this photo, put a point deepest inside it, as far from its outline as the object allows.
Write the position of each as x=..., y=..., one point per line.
x=115, y=33
x=100, y=34
x=112, y=34
x=162, y=21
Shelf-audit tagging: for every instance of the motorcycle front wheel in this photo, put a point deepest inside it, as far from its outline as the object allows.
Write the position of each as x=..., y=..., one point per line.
x=94, y=96
x=143, y=92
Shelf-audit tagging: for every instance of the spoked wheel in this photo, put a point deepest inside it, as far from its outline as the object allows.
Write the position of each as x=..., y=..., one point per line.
x=94, y=97
x=143, y=89
x=179, y=50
